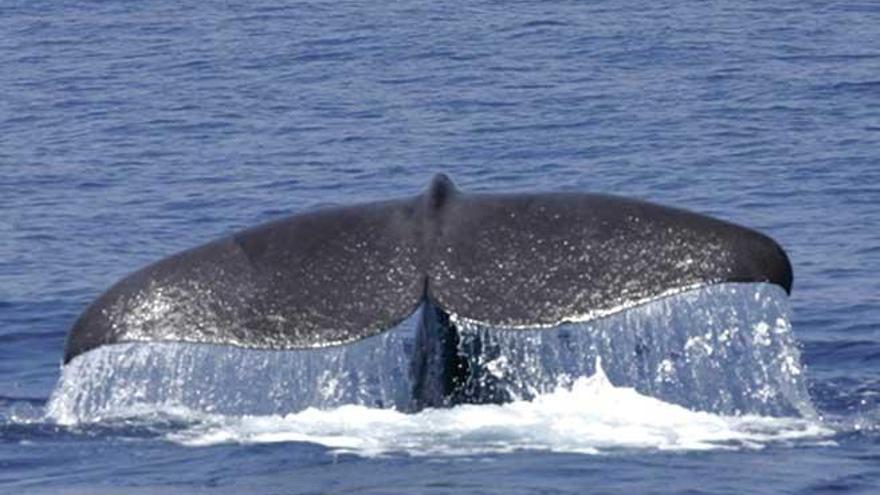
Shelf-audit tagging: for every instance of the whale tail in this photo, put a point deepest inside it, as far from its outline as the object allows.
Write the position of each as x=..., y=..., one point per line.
x=339, y=275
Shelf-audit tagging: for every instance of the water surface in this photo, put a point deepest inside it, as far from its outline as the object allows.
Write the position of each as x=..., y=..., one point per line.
x=129, y=131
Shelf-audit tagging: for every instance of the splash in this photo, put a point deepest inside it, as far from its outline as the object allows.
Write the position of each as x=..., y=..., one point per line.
x=591, y=417
x=712, y=368
x=230, y=380
x=724, y=349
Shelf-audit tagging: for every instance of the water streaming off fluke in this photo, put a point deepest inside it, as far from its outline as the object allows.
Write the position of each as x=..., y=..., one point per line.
x=724, y=349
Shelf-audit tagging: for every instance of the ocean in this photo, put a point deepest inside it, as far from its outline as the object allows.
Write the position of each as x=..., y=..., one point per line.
x=133, y=130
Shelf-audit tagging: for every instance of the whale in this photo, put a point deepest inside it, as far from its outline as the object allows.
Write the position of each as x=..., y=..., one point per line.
x=338, y=275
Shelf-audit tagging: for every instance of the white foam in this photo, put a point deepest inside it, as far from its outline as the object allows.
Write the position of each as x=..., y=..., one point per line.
x=591, y=416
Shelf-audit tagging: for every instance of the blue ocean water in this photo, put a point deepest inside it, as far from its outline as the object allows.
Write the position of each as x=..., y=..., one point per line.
x=129, y=131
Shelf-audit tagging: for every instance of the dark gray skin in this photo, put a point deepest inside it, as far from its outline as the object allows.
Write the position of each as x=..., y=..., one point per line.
x=335, y=276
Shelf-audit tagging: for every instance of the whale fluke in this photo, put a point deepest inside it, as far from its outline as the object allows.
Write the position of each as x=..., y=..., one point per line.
x=338, y=275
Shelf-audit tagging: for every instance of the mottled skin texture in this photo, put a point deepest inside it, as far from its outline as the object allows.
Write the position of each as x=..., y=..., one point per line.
x=522, y=260
x=338, y=275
